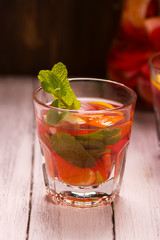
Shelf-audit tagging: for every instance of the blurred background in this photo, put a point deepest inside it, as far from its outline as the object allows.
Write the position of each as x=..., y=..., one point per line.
x=36, y=34
x=107, y=39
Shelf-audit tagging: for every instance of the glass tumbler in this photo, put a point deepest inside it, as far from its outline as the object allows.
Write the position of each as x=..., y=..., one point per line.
x=155, y=83
x=84, y=151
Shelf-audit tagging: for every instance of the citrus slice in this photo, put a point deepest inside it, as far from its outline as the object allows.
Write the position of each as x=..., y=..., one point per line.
x=157, y=82
x=73, y=119
x=102, y=104
x=158, y=78
x=74, y=175
x=104, y=121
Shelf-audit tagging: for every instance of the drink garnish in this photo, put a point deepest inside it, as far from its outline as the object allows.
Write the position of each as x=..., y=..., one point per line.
x=54, y=117
x=103, y=104
x=56, y=82
x=81, y=150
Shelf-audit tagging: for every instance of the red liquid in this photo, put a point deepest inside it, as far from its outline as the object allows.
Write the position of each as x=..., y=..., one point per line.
x=104, y=155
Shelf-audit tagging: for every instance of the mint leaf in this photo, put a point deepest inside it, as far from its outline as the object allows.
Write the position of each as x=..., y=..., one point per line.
x=54, y=117
x=95, y=143
x=96, y=152
x=82, y=150
x=67, y=147
x=56, y=83
x=107, y=136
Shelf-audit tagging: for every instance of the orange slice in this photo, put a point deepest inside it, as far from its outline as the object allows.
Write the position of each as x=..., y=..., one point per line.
x=74, y=175
x=104, y=121
x=102, y=104
x=73, y=119
x=157, y=82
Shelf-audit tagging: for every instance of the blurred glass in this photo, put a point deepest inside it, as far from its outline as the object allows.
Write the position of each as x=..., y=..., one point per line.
x=155, y=82
x=137, y=40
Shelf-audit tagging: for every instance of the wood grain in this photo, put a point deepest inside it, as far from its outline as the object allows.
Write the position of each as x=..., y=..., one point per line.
x=137, y=211
x=16, y=119
x=26, y=213
x=58, y=222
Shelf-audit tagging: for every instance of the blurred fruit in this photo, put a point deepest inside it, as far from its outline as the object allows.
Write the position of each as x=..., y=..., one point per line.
x=137, y=40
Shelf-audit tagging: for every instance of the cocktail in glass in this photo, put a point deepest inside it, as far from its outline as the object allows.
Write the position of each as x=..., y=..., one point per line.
x=84, y=151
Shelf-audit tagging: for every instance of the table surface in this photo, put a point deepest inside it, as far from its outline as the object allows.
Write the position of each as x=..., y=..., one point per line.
x=26, y=213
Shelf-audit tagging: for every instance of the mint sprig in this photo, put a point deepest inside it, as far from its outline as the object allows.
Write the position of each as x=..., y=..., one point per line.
x=56, y=82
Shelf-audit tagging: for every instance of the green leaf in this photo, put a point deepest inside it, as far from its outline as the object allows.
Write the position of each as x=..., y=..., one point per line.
x=95, y=143
x=60, y=70
x=54, y=117
x=67, y=147
x=97, y=152
x=107, y=136
x=56, y=83
x=82, y=150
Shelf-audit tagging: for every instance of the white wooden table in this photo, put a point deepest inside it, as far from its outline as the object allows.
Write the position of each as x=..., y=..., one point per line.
x=25, y=212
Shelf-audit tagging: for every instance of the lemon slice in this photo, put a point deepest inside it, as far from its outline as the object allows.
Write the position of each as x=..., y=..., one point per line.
x=99, y=177
x=103, y=104
x=157, y=82
x=158, y=78
x=75, y=120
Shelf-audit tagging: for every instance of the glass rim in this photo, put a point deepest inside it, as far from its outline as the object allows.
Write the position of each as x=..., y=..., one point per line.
x=151, y=60
x=131, y=92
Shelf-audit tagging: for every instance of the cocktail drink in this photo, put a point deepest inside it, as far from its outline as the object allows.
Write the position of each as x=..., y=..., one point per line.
x=84, y=150
x=138, y=38
x=155, y=83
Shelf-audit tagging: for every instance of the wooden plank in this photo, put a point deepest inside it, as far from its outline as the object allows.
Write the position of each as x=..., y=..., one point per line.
x=26, y=214
x=137, y=211
x=49, y=221
x=16, y=138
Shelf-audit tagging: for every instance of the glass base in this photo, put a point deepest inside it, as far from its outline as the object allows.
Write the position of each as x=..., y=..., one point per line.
x=81, y=197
